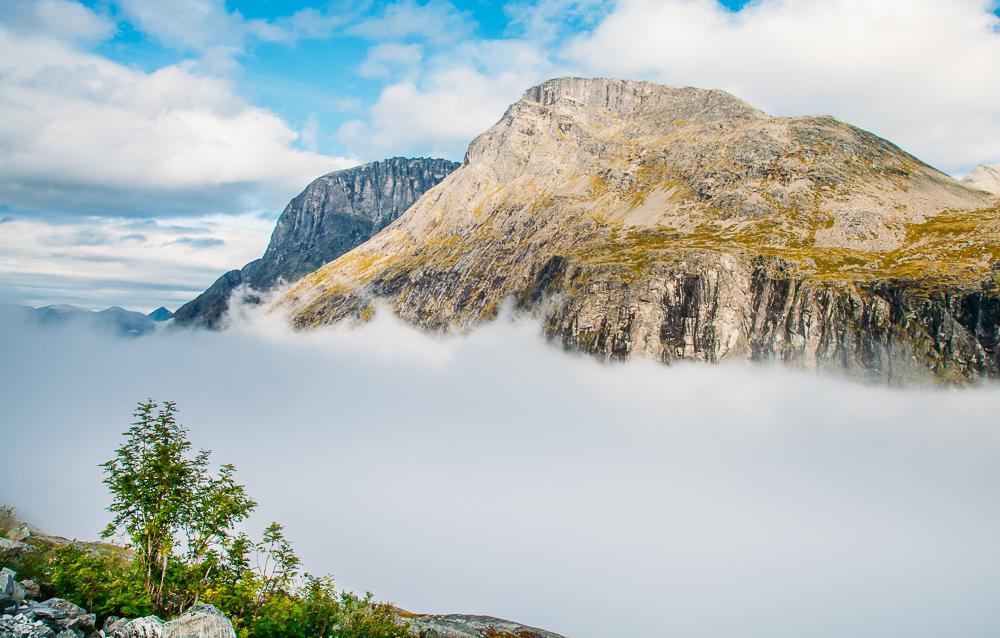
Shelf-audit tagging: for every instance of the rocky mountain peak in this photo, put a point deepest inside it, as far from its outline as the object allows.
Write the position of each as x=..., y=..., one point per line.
x=626, y=97
x=334, y=213
x=985, y=177
x=643, y=220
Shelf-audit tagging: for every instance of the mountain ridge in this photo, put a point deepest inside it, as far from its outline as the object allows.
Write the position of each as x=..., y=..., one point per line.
x=985, y=177
x=333, y=214
x=636, y=219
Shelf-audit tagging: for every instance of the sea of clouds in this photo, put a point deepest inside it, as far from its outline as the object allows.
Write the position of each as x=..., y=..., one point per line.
x=493, y=473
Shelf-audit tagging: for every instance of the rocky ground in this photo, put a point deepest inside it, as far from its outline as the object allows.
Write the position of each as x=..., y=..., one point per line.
x=461, y=626
x=24, y=615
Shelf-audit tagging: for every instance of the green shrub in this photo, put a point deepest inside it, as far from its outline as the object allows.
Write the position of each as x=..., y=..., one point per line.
x=178, y=519
x=103, y=581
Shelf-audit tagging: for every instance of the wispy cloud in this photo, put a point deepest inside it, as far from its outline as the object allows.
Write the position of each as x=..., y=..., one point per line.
x=437, y=21
x=98, y=262
x=200, y=242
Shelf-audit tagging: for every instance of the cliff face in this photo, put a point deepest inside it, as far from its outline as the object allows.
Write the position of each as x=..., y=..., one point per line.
x=335, y=213
x=641, y=220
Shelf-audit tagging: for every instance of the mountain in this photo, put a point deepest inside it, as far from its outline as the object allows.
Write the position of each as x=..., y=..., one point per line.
x=332, y=215
x=640, y=220
x=114, y=320
x=985, y=178
x=160, y=314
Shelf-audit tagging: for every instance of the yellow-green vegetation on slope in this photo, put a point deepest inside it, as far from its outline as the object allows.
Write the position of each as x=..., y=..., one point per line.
x=954, y=248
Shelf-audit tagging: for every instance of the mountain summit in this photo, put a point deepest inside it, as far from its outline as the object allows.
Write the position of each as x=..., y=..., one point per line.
x=335, y=213
x=678, y=223
x=986, y=177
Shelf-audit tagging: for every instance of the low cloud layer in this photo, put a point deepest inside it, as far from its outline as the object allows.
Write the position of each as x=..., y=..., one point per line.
x=495, y=474
x=136, y=263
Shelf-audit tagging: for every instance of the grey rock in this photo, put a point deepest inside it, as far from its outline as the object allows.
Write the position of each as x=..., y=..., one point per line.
x=32, y=590
x=19, y=534
x=335, y=213
x=63, y=616
x=464, y=626
x=12, y=593
x=144, y=627
x=72, y=610
x=201, y=621
x=43, y=612
x=8, y=546
x=20, y=626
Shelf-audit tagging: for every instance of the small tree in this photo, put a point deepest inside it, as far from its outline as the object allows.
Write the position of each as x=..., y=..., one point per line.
x=167, y=503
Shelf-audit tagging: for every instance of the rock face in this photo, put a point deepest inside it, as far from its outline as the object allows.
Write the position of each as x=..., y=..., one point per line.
x=145, y=627
x=459, y=626
x=639, y=220
x=331, y=216
x=160, y=314
x=201, y=621
x=12, y=592
x=54, y=617
x=985, y=178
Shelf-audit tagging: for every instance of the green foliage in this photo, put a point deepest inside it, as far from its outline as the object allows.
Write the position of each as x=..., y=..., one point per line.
x=362, y=617
x=178, y=519
x=174, y=513
x=8, y=519
x=103, y=581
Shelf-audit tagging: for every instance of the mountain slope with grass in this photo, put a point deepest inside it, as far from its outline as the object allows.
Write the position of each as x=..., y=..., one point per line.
x=640, y=220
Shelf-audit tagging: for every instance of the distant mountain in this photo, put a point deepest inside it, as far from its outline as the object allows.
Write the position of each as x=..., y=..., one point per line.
x=335, y=213
x=986, y=177
x=641, y=220
x=114, y=320
x=160, y=314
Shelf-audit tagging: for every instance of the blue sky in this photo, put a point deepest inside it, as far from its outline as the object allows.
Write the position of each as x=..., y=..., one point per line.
x=316, y=77
x=197, y=120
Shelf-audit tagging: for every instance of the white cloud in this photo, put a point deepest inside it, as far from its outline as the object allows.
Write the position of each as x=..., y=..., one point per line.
x=549, y=20
x=99, y=261
x=461, y=92
x=923, y=73
x=208, y=27
x=187, y=24
x=437, y=21
x=83, y=133
x=310, y=134
x=495, y=474
x=65, y=19
x=389, y=59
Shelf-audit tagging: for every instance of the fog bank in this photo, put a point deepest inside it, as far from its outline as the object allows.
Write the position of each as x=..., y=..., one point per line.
x=495, y=474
